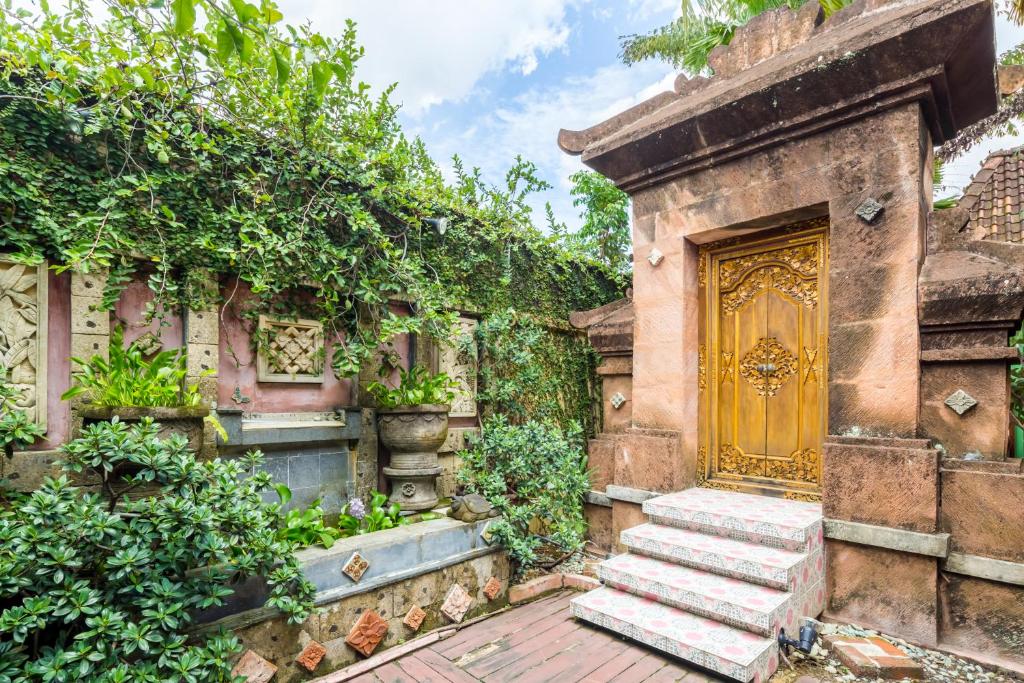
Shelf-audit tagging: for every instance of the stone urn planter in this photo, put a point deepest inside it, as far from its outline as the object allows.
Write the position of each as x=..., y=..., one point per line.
x=413, y=435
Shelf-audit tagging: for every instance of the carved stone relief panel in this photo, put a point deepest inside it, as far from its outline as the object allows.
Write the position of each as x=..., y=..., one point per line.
x=23, y=314
x=290, y=351
x=460, y=363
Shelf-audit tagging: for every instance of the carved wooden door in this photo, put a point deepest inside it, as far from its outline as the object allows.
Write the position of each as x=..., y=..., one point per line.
x=763, y=359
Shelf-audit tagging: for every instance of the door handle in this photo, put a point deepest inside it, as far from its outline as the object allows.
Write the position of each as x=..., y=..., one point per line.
x=766, y=368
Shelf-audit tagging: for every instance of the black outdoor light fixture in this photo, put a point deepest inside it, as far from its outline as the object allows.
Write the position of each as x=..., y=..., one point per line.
x=808, y=636
x=440, y=224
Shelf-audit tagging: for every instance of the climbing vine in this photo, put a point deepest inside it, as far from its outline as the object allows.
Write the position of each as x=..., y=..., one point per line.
x=207, y=141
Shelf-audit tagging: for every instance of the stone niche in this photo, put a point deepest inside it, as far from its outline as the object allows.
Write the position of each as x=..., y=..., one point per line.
x=23, y=333
x=459, y=361
x=291, y=351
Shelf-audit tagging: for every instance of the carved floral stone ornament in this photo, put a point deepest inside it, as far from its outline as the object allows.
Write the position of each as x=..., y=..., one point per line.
x=367, y=633
x=456, y=603
x=459, y=361
x=961, y=401
x=290, y=351
x=655, y=257
x=869, y=210
x=617, y=400
x=355, y=567
x=23, y=312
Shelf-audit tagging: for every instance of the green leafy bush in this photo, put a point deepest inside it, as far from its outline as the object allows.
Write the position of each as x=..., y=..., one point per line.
x=127, y=379
x=100, y=587
x=304, y=527
x=535, y=474
x=17, y=430
x=416, y=387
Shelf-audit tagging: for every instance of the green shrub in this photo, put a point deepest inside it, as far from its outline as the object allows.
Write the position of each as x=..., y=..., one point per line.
x=128, y=379
x=17, y=430
x=536, y=475
x=304, y=527
x=416, y=387
x=101, y=587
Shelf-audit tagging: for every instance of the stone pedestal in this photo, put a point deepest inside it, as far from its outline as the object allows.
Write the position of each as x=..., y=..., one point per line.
x=413, y=435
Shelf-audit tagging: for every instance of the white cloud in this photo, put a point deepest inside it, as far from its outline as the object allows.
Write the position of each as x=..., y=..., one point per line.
x=528, y=124
x=439, y=51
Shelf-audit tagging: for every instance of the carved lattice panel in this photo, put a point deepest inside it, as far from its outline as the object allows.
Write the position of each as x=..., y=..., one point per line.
x=459, y=361
x=291, y=351
x=23, y=314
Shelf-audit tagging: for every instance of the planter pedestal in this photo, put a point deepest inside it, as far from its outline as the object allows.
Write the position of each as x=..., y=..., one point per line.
x=413, y=434
x=413, y=489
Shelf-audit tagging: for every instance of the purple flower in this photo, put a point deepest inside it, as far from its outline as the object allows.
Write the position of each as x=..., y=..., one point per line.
x=356, y=508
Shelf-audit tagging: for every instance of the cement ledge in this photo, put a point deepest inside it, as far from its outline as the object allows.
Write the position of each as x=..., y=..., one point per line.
x=597, y=498
x=932, y=545
x=989, y=568
x=629, y=495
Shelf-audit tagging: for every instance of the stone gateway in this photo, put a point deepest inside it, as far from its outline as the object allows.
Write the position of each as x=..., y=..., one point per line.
x=804, y=329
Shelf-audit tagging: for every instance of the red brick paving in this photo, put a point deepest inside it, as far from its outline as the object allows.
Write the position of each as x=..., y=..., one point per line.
x=874, y=657
x=536, y=643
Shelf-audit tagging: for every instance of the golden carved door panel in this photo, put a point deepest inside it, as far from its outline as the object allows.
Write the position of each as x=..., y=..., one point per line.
x=763, y=356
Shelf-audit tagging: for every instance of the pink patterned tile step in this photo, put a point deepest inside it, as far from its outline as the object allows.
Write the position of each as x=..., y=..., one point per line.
x=775, y=522
x=731, y=601
x=773, y=567
x=735, y=653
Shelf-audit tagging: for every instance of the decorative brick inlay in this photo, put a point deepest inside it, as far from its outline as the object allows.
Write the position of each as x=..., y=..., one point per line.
x=874, y=657
x=254, y=668
x=311, y=655
x=414, y=617
x=961, y=401
x=355, y=567
x=456, y=603
x=492, y=588
x=367, y=633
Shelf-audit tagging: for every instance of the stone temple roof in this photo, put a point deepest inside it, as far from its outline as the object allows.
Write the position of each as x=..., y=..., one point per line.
x=791, y=73
x=994, y=200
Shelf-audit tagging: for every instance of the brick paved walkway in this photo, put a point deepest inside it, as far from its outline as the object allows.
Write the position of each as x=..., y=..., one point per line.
x=538, y=642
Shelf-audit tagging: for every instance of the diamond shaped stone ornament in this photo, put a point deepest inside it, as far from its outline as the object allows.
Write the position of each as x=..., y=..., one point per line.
x=367, y=633
x=149, y=344
x=869, y=210
x=655, y=257
x=487, y=534
x=355, y=567
x=617, y=400
x=311, y=656
x=961, y=401
x=414, y=617
x=456, y=603
x=254, y=668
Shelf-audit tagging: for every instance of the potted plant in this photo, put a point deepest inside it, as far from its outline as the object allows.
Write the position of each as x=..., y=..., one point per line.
x=413, y=419
x=131, y=388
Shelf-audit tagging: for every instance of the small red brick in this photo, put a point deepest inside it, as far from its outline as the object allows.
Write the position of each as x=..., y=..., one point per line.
x=580, y=582
x=254, y=668
x=492, y=588
x=874, y=658
x=311, y=656
x=534, y=588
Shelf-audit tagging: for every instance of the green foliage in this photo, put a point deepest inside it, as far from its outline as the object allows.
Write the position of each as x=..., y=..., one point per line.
x=104, y=588
x=129, y=380
x=530, y=371
x=416, y=387
x=17, y=430
x=605, y=233
x=702, y=26
x=304, y=527
x=234, y=146
x=535, y=474
x=358, y=519
x=1017, y=381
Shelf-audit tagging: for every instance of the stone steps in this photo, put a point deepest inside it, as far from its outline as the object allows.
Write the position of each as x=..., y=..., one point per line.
x=774, y=522
x=729, y=651
x=751, y=562
x=714, y=579
x=731, y=601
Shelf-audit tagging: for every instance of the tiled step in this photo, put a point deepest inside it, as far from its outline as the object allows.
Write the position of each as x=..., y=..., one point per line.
x=774, y=522
x=732, y=652
x=722, y=598
x=772, y=567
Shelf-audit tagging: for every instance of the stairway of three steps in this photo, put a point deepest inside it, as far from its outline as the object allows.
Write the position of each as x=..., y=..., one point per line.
x=712, y=578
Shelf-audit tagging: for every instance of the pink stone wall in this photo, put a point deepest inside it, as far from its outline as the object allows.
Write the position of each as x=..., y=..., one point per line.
x=238, y=370
x=130, y=313
x=58, y=371
x=874, y=338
